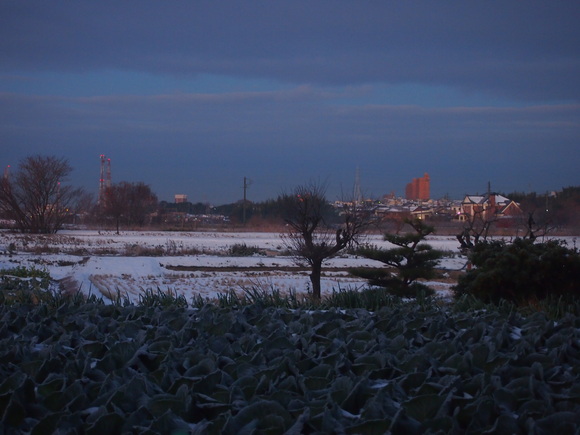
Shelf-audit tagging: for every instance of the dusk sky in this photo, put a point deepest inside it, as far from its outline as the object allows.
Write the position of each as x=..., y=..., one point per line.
x=190, y=97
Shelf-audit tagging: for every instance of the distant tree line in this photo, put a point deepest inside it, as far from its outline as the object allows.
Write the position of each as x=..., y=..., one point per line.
x=37, y=199
x=269, y=210
x=185, y=207
x=558, y=209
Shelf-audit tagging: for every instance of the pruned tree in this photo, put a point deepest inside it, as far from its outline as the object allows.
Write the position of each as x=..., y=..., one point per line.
x=411, y=257
x=36, y=198
x=312, y=237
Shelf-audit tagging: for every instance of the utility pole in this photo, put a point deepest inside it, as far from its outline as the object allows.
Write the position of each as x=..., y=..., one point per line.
x=247, y=183
x=357, y=192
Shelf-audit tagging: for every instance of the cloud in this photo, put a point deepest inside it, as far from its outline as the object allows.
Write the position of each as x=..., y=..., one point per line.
x=304, y=111
x=522, y=51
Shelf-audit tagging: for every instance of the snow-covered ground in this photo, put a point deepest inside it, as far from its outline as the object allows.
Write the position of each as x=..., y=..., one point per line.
x=188, y=263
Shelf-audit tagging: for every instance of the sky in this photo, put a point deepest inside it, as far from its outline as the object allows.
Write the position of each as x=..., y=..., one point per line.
x=190, y=97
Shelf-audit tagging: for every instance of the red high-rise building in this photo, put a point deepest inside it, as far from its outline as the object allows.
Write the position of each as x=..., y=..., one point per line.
x=419, y=188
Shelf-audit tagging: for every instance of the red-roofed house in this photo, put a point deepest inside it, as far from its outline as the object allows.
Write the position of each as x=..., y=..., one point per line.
x=490, y=206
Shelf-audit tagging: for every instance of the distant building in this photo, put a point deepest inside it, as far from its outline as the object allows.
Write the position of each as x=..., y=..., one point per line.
x=419, y=188
x=422, y=212
x=179, y=198
x=489, y=206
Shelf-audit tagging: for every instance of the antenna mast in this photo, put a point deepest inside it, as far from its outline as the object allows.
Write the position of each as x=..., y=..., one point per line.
x=108, y=179
x=102, y=181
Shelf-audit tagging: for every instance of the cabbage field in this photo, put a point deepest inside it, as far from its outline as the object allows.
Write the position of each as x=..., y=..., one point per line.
x=95, y=368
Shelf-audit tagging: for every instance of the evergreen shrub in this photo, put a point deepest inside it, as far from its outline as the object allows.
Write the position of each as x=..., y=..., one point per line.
x=521, y=272
x=243, y=250
x=411, y=258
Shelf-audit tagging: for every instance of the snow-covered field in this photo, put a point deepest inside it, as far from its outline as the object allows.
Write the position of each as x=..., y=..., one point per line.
x=188, y=263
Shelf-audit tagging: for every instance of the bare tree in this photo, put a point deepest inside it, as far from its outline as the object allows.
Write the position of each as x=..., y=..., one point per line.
x=142, y=201
x=129, y=202
x=476, y=228
x=36, y=198
x=311, y=236
x=536, y=227
x=116, y=204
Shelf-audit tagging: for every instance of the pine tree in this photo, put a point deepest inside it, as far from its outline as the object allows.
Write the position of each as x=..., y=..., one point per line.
x=411, y=258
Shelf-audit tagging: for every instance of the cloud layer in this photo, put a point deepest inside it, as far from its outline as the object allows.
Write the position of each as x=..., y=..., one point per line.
x=190, y=97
